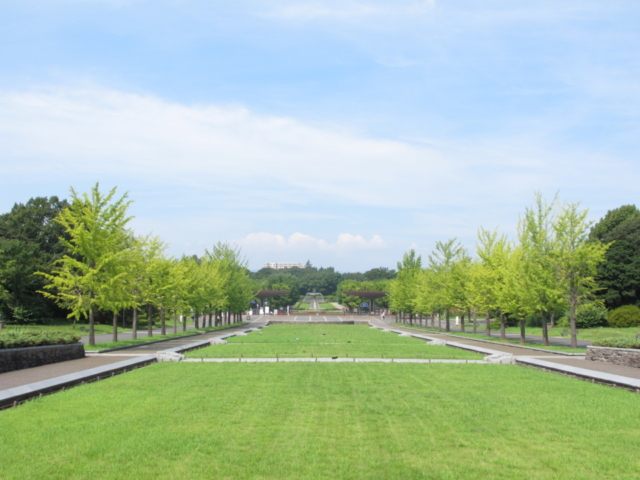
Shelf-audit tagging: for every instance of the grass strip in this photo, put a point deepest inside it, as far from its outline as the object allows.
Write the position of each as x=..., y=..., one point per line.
x=597, y=333
x=326, y=421
x=124, y=343
x=327, y=340
x=515, y=343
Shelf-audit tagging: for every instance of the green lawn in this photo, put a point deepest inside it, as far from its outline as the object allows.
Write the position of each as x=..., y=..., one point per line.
x=326, y=421
x=584, y=334
x=68, y=327
x=302, y=306
x=328, y=306
x=482, y=336
x=315, y=340
x=123, y=343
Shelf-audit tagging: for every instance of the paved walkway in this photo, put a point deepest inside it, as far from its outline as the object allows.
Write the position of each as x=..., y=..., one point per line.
x=556, y=341
x=26, y=376
x=45, y=372
x=550, y=356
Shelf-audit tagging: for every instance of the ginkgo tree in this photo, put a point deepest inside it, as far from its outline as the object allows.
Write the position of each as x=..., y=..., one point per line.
x=97, y=241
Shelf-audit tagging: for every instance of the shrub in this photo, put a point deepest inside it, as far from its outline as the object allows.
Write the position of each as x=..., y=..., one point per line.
x=24, y=337
x=624, y=317
x=620, y=342
x=589, y=315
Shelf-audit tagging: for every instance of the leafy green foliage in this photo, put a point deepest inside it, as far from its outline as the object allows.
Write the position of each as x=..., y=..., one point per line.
x=619, y=274
x=625, y=316
x=29, y=242
x=620, y=342
x=25, y=337
x=589, y=315
x=611, y=221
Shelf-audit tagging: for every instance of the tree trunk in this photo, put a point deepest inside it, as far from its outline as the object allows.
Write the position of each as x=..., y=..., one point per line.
x=545, y=332
x=475, y=321
x=134, y=324
x=115, y=327
x=447, y=324
x=124, y=318
x=149, y=320
x=196, y=319
x=92, y=332
x=503, y=325
x=163, y=326
x=184, y=323
x=553, y=319
x=523, y=338
x=462, y=323
x=487, y=326
x=175, y=322
x=573, y=301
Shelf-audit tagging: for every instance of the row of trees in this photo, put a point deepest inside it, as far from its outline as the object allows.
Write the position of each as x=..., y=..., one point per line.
x=108, y=268
x=551, y=267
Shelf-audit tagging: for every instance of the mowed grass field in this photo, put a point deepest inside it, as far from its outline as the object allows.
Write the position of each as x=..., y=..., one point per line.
x=326, y=421
x=353, y=341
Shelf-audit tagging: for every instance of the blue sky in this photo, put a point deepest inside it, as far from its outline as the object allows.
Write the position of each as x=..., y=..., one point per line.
x=341, y=132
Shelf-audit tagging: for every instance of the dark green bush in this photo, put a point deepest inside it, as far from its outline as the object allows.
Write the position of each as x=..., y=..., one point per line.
x=19, y=338
x=620, y=342
x=589, y=315
x=624, y=317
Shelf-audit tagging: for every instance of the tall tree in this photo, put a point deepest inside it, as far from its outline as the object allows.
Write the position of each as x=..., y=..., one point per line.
x=619, y=275
x=95, y=224
x=442, y=262
x=536, y=235
x=29, y=242
x=403, y=290
x=577, y=259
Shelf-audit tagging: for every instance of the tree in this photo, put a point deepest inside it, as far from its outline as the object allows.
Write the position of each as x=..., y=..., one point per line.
x=488, y=278
x=619, y=275
x=95, y=224
x=536, y=235
x=29, y=242
x=443, y=262
x=403, y=290
x=611, y=220
x=577, y=259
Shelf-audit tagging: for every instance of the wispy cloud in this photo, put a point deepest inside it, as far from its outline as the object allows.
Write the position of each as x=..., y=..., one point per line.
x=306, y=243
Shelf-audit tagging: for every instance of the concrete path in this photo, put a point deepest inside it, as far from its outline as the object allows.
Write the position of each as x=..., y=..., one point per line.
x=556, y=341
x=45, y=372
x=597, y=368
x=26, y=376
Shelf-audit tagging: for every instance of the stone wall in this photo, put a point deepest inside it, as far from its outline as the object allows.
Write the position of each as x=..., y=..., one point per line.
x=19, y=358
x=627, y=357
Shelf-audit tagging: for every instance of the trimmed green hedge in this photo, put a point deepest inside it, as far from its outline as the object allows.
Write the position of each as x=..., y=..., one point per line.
x=19, y=338
x=626, y=316
x=620, y=342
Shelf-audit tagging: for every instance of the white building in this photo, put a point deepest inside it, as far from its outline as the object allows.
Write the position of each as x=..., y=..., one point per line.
x=280, y=266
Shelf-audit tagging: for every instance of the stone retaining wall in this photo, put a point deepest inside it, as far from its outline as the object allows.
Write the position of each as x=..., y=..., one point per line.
x=19, y=358
x=627, y=357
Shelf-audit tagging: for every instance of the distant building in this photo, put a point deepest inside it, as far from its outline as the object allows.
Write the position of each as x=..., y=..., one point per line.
x=281, y=266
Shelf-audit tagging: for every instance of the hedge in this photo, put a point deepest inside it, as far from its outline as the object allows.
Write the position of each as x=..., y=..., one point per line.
x=624, y=317
x=620, y=342
x=19, y=338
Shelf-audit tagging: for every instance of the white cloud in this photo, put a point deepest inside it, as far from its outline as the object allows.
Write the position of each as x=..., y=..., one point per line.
x=302, y=242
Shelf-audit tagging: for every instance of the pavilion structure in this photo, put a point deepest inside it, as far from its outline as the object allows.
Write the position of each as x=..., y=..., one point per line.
x=262, y=295
x=371, y=296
